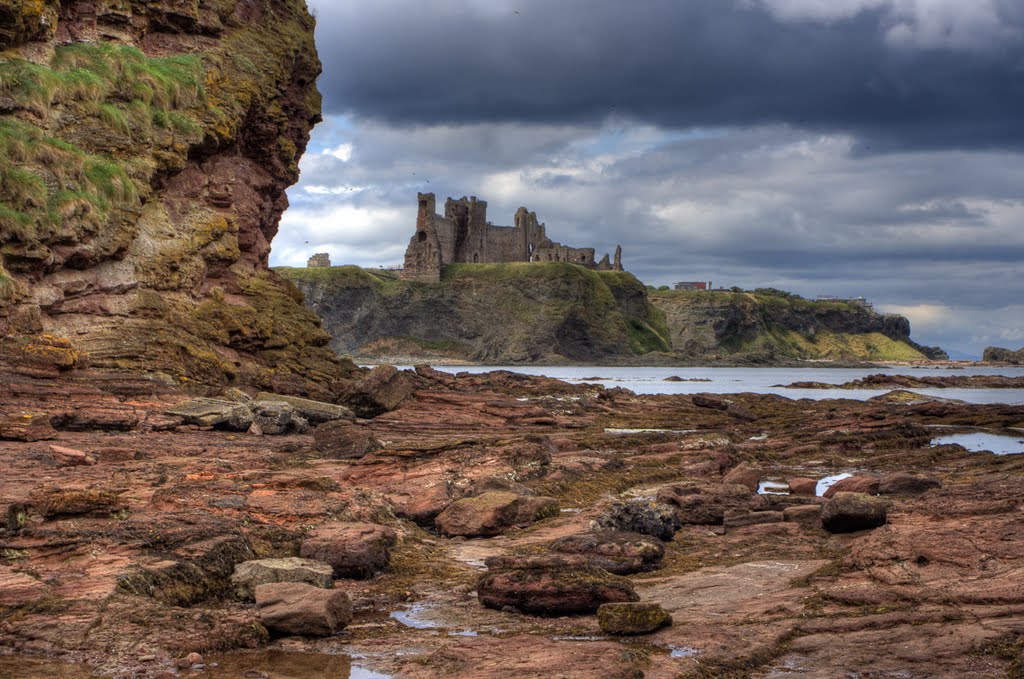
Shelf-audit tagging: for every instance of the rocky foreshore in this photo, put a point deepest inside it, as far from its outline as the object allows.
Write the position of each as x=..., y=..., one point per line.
x=502, y=525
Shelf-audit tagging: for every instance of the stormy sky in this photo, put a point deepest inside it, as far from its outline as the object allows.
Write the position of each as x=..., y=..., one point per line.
x=829, y=147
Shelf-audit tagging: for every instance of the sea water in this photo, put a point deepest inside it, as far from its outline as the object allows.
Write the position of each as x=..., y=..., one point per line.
x=643, y=380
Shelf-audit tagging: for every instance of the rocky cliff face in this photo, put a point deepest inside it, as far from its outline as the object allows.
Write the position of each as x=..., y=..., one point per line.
x=145, y=149
x=769, y=327
x=1001, y=355
x=494, y=313
x=557, y=312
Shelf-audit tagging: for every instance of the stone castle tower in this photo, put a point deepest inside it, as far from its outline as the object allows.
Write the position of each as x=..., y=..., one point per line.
x=463, y=235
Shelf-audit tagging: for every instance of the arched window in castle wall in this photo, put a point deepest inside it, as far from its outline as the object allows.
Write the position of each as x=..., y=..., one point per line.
x=476, y=258
x=421, y=236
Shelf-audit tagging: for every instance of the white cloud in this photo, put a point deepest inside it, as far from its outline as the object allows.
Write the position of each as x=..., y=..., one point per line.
x=342, y=152
x=922, y=24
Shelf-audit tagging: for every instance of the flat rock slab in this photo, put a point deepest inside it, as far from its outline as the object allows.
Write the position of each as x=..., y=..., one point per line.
x=19, y=589
x=314, y=411
x=748, y=588
x=250, y=574
x=305, y=610
x=526, y=655
x=553, y=591
x=708, y=503
x=211, y=412
x=615, y=551
x=26, y=427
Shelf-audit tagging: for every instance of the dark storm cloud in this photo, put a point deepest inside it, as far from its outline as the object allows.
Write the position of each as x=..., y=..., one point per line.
x=870, y=70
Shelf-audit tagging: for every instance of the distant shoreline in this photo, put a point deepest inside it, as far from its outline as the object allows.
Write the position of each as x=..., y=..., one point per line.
x=638, y=362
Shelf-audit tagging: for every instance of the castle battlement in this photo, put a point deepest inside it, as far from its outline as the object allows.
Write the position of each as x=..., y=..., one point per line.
x=463, y=235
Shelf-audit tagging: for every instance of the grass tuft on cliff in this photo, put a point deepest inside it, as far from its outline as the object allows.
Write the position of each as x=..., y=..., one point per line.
x=46, y=182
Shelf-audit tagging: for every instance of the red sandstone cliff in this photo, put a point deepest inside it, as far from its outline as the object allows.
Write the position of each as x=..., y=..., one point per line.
x=145, y=149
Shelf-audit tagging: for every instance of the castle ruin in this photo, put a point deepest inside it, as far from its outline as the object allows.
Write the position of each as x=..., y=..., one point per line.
x=463, y=235
x=319, y=260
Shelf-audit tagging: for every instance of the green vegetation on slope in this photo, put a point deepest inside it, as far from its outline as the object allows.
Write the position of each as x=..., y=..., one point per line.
x=824, y=345
x=117, y=98
x=768, y=324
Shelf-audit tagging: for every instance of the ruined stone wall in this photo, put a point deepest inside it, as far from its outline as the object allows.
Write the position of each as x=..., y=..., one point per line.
x=562, y=253
x=463, y=235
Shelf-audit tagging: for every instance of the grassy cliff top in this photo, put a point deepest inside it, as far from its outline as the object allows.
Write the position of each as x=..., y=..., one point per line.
x=759, y=297
x=351, y=275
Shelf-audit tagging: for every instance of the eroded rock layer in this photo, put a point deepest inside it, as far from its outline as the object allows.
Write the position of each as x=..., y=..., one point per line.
x=145, y=149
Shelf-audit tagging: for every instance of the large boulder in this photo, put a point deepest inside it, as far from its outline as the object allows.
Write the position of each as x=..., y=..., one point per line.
x=902, y=483
x=553, y=591
x=211, y=412
x=861, y=483
x=354, y=550
x=343, y=440
x=381, y=391
x=649, y=518
x=745, y=475
x=627, y=619
x=484, y=515
x=301, y=609
x=708, y=503
x=276, y=417
x=249, y=575
x=617, y=552
x=315, y=412
x=421, y=503
x=850, y=512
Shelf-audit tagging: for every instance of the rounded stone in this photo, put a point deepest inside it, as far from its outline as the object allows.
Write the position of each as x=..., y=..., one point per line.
x=354, y=550
x=632, y=618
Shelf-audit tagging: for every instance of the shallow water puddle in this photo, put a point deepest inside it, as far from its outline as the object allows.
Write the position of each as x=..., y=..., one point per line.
x=829, y=481
x=977, y=442
x=285, y=665
x=773, y=487
x=414, y=617
x=682, y=652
